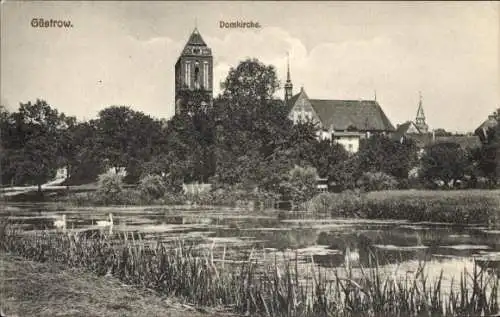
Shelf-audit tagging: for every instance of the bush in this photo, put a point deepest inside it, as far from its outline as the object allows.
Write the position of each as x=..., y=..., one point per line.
x=109, y=188
x=300, y=185
x=152, y=187
x=377, y=181
x=346, y=204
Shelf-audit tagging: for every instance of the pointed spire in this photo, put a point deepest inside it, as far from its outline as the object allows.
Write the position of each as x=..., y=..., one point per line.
x=375, y=95
x=288, y=84
x=420, y=110
x=288, y=67
x=420, y=119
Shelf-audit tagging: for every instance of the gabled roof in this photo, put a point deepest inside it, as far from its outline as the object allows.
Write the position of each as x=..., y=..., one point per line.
x=362, y=115
x=290, y=103
x=195, y=39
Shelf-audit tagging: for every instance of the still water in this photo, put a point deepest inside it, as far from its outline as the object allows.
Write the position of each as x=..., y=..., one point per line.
x=398, y=246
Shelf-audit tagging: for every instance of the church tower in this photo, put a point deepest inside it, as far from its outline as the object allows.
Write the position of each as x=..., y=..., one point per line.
x=194, y=72
x=288, y=84
x=420, y=119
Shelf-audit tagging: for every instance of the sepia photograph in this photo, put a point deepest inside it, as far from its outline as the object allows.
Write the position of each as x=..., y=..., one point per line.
x=250, y=158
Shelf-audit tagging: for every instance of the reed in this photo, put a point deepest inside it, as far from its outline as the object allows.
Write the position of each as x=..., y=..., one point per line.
x=271, y=288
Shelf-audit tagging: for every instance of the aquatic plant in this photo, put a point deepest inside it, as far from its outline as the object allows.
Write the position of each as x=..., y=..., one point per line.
x=279, y=288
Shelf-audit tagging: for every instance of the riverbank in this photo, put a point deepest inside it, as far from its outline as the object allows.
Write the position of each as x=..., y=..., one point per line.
x=454, y=206
x=30, y=288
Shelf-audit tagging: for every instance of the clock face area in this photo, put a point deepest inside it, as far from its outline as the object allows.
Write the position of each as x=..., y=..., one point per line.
x=196, y=51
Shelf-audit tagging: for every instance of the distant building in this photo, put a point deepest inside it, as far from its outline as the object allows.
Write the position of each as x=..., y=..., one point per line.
x=344, y=121
x=193, y=71
x=492, y=121
x=420, y=118
x=418, y=131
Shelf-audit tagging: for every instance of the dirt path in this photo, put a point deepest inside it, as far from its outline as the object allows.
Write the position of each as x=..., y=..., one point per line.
x=40, y=289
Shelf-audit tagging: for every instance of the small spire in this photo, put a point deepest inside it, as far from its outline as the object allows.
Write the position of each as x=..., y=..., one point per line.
x=375, y=95
x=288, y=67
x=196, y=23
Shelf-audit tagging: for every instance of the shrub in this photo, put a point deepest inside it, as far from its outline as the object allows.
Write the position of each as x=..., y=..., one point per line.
x=110, y=188
x=370, y=181
x=152, y=187
x=300, y=185
x=346, y=204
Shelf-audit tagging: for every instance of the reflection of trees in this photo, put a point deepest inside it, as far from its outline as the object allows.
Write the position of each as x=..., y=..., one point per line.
x=293, y=239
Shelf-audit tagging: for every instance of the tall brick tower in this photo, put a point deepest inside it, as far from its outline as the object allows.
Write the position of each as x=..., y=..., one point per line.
x=193, y=71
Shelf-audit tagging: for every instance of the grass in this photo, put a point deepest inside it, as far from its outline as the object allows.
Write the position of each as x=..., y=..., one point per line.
x=278, y=288
x=43, y=289
x=461, y=206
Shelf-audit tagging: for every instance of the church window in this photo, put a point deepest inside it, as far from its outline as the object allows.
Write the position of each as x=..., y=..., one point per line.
x=187, y=75
x=197, y=77
x=205, y=75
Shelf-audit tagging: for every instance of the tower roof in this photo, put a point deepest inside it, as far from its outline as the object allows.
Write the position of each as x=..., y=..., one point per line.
x=195, y=39
x=420, y=110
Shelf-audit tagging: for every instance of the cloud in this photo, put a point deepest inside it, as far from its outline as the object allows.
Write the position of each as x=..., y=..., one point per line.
x=450, y=53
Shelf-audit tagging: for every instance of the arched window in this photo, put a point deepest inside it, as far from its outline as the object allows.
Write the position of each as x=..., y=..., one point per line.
x=197, y=77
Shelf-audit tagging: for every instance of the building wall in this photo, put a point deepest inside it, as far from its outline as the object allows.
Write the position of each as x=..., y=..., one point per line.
x=350, y=143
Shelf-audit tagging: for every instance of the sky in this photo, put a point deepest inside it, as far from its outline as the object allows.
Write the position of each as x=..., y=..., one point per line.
x=123, y=53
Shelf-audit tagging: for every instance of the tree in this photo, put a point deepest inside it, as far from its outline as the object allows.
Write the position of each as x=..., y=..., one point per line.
x=250, y=125
x=382, y=154
x=300, y=184
x=250, y=81
x=488, y=156
x=35, y=142
x=127, y=138
x=446, y=162
x=83, y=160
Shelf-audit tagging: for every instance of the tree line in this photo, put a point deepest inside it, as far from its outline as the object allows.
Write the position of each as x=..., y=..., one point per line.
x=242, y=138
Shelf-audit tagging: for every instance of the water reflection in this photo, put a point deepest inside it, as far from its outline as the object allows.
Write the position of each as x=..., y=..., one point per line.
x=326, y=241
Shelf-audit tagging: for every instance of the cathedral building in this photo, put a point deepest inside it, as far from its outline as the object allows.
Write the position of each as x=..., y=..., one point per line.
x=344, y=121
x=194, y=72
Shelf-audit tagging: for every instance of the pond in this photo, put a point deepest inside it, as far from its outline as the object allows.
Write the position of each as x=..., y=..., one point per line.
x=233, y=234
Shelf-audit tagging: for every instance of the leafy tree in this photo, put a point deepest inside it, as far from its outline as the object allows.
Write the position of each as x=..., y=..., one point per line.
x=382, y=154
x=152, y=187
x=127, y=138
x=83, y=159
x=376, y=181
x=445, y=162
x=343, y=175
x=300, y=185
x=250, y=125
x=488, y=156
x=35, y=142
x=250, y=81
x=326, y=154
x=442, y=132
x=110, y=187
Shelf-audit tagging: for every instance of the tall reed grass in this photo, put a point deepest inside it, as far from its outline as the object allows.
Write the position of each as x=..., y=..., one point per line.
x=276, y=288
